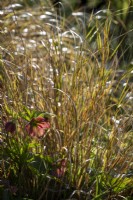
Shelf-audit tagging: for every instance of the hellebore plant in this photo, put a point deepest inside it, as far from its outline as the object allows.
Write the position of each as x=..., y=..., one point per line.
x=37, y=126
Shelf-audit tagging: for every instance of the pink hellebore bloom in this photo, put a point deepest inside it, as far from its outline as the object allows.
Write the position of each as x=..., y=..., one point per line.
x=60, y=171
x=37, y=126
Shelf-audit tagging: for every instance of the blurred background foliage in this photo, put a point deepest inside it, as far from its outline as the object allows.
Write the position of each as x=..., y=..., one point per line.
x=120, y=12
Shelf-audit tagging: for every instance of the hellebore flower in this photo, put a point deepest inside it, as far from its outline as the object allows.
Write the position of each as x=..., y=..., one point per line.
x=37, y=126
x=13, y=190
x=60, y=170
x=10, y=127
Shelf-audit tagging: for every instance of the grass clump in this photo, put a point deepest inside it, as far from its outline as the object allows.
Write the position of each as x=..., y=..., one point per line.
x=66, y=108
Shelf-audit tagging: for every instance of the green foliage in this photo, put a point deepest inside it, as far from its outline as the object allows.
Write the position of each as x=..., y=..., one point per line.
x=28, y=114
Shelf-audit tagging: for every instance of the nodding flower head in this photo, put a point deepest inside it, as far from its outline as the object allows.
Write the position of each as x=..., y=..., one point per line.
x=10, y=127
x=37, y=126
x=61, y=169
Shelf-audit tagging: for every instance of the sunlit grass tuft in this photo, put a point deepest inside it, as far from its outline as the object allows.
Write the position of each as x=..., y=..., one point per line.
x=48, y=66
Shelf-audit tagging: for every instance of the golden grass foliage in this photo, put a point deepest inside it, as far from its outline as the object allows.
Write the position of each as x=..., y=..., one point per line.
x=48, y=63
